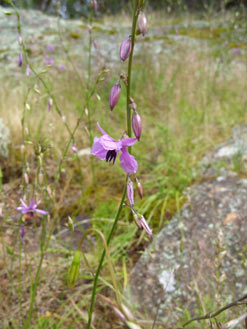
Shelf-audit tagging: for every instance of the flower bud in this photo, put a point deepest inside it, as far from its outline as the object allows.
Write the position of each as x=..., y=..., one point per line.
x=27, y=71
x=74, y=149
x=145, y=226
x=139, y=188
x=125, y=50
x=114, y=95
x=130, y=193
x=142, y=23
x=20, y=40
x=137, y=125
x=49, y=103
x=20, y=60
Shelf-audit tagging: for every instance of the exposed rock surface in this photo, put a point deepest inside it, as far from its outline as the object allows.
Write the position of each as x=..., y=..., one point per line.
x=70, y=38
x=4, y=140
x=201, y=254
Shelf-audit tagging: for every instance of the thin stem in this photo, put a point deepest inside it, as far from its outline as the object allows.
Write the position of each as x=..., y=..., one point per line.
x=135, y=16
x=133, y=33
x=37, y=276
x=102, y=260
x=213, y=315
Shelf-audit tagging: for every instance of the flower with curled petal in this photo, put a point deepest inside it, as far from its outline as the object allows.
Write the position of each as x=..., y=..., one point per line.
x=31, y=209
x=106, y=148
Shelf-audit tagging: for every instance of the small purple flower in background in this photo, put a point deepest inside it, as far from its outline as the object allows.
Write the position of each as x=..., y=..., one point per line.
x=28, y=70
x=62, y=67
x=137, y=125
x=22, y=233
x=125, y=49
x=226, y=43
x=106, y=148
x=20, y=60
x=31, y=209
x=95, y=5
x=74, y=149
x=114, y=95
x=142, y=23
x=49, y=61
x=50, y=48
x=20, y=40
x=236, y=51
x=130, y=193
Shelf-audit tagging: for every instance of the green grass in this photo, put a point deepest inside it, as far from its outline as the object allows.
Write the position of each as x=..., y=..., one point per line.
x=189, y=102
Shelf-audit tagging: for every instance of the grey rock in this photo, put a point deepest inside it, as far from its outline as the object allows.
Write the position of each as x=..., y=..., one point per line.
x=228, y=157
x=200, y=253
x=4, y=140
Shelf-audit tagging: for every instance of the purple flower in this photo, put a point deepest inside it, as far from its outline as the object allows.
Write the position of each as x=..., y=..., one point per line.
x=22, y=233
x=20, y=60
x=137, y=125
x=114, y=95
x=31, y=208
x=106, y=148
x=50, y=48
x=49, y=61
x=236, y=51
x=74, y=149
x=125, y=49
x=142, y=23
x=62, y=67
x=130, y=193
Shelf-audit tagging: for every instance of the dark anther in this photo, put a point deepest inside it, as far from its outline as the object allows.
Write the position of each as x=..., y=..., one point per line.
x=111, y=156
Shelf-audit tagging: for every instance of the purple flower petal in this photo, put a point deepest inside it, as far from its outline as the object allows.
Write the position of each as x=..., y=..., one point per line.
x=43, y=212
x=128, y=141
x=98, y=150
x=128, y=162
x=32, y=204
x=101, y=130
x=23, y=204
x=108, y=143
x=130, y=193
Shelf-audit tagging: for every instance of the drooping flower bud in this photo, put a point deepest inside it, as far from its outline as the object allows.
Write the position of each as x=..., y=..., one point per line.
x=20, y=40
x=142, y=23
x=114, y=95
x=137, y=125
x=130, y=193
x=27, y=71
x=139, y=188
x=145, y=226
x=125, y=50
x=49, y=104
x=20, y=60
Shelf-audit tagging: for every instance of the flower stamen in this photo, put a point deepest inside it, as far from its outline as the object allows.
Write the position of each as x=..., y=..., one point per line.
x=111, y=156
